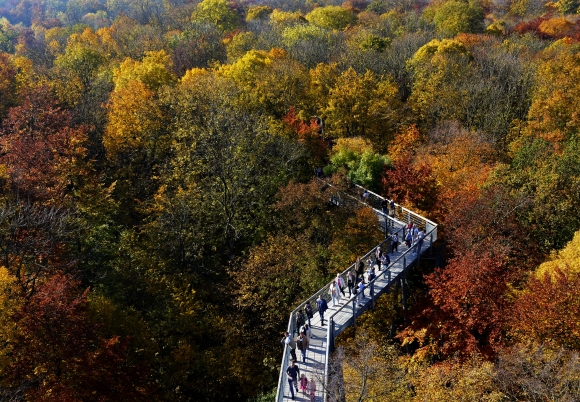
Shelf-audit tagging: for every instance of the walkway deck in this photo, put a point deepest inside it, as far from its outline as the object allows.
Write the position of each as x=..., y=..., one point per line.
x=340, y=317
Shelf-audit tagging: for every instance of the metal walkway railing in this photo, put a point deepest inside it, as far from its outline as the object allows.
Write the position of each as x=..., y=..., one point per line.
x=341, y=317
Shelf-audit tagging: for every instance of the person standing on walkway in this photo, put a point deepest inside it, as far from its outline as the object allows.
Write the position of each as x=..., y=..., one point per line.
x=293, y=372
x=360, y=267
x=409, y=239
x=420, y=238
x=300, y=320
x=385, y=261
x=311, y=388
x=392, y=205
x=289, y=340
x=334, y=293
x=308, y=332
x=302, y=345
x=322, y=307
x=394, y=242
x=309, y=312
x=361, y=294
x=340, y=284
x=350, y=283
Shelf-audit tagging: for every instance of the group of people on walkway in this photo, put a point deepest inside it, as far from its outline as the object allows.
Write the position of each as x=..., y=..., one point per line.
x=308, y=387
x=302, y=342
x=414, y=236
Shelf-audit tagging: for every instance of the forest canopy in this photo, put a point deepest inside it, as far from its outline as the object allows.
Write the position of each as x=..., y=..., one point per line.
x=159, y=219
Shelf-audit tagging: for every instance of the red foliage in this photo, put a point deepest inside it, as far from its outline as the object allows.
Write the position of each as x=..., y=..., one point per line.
x=308, y=134
x=548, y=310
x=533, y=26
x=42, y=148
x=467, y=307
x=410, y=184
x=60, y=350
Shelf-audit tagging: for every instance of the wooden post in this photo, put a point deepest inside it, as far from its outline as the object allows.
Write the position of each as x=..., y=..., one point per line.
x=354, y=312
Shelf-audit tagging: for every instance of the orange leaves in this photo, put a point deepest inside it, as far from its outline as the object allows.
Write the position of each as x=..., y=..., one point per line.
x=308, y=134
x=548, y=309
x=405, y=143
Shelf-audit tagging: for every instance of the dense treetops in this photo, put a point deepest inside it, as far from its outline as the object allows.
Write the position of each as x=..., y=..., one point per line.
x=158, y=220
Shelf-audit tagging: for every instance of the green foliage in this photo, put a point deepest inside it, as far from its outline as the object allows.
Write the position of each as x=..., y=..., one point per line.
x=217, y=12
x=7, y=36
x=363, y=166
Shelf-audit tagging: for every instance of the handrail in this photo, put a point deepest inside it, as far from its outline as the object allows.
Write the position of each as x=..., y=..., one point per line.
x=397, y=206
x=384, y=272
x=432, y=233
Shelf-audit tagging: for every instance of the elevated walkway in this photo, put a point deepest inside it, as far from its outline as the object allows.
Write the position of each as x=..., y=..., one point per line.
x=338, y=318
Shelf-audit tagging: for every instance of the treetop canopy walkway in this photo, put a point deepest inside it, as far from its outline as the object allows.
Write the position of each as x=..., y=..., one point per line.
x=343, y=315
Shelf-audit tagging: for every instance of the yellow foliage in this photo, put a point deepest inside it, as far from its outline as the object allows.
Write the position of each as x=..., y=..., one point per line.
x=285, y=18
x=133, y=117
x=153, y=71
x=556, y=26
x=471, y=381
x=357, y=145
x=10, y=302
x=567, y=259
x=247, y=67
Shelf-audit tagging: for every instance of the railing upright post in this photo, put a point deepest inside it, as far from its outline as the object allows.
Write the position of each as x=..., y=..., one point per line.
x=331, y=332
x=389, y=281
x=372, y=296
x=354, y=312
x=431, y=244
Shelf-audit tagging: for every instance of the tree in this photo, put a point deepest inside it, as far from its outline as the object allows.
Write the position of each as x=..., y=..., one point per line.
x=458, y=16
x=309, y=44
x=362, y=105
x=357, y=156
x=217, y=12
x=42, y=149
x=545, y=309
x=59, y=350
x=537, y=371
x=411, y=184
x=7, y=85
x=371, y=372
x=199, y=46
x=467, y=306
x=453, y=380
x=331, y=17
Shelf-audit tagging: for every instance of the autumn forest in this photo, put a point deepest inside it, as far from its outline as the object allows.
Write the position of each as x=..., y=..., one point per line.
x=159, y=219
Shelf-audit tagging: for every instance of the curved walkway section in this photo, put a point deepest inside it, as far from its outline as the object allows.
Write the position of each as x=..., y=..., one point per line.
x=340, y=317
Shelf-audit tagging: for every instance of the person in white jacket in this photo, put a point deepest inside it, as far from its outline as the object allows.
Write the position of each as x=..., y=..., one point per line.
x=340, y=284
